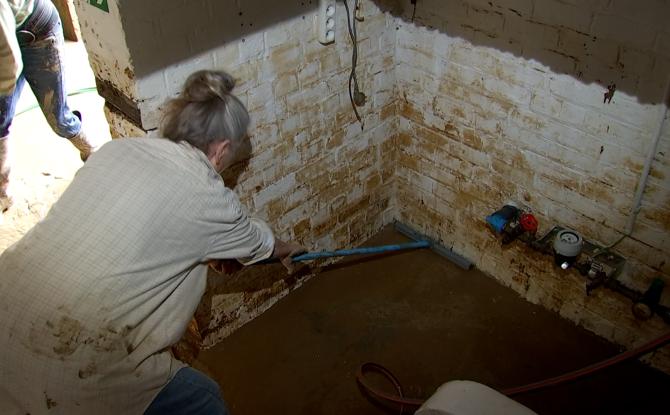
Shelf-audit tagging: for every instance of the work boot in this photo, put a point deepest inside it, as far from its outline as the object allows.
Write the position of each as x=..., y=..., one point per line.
x=5, y=200
x=85, y=146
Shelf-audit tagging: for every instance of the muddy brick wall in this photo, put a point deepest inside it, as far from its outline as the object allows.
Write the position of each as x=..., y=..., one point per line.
x=470, y=104
x=312, y=172
x=505, y=100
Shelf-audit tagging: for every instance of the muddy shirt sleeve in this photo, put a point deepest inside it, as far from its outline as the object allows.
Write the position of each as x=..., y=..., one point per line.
x=235, y=235
x=10, y=54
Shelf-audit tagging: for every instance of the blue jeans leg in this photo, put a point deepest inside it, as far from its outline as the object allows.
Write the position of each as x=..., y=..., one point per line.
x=43, y=70
x=190, y=392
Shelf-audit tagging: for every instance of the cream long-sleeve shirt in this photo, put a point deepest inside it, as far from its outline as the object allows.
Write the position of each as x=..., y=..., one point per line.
x=12, y=14
x=94, y=295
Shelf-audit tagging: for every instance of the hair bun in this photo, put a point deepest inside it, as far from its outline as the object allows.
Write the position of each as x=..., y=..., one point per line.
x=206, y=85
x=227, y=82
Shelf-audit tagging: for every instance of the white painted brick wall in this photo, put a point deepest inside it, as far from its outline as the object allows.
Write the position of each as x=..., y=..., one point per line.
x=532, y=94
x=474, y=103
x=314, y=175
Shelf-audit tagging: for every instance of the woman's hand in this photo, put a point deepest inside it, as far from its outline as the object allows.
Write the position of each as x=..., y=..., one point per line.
x=284, y=251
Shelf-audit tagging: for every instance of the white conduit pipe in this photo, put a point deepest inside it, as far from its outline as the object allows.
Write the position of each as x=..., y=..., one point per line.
x=644, y=177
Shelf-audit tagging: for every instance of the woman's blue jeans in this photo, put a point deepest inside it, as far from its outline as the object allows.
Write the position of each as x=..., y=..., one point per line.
x=43, y=70
x=190, y=392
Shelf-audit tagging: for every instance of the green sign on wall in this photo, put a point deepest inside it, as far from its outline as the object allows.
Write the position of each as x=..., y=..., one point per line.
x=100, y=4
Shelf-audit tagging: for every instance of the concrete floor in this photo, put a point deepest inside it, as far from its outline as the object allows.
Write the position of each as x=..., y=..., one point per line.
x=428, y=322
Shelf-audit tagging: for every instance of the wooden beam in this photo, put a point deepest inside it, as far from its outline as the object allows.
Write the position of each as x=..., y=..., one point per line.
x=69, y=18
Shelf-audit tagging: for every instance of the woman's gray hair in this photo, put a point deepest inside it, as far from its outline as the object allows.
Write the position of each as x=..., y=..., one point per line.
x=205, y=112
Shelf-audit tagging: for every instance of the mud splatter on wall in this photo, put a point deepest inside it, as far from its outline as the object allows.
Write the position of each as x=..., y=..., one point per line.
x=313, y=174
x=471, y=103
x=504, y=100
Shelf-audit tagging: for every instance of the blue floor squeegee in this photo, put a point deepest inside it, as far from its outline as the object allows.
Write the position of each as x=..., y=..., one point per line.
x=361, y=251
x=420, y=241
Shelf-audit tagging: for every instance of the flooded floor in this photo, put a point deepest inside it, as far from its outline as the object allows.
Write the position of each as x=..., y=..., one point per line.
x=427, y=321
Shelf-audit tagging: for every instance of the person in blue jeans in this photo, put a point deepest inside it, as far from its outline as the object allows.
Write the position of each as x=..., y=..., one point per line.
x=189, y=392
x=31, y=39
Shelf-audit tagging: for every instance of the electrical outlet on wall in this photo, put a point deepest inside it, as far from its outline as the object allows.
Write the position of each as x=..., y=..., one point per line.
x=325, y=24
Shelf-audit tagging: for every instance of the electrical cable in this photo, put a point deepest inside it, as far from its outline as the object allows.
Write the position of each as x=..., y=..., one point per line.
x=401, y=400
x=353, y=79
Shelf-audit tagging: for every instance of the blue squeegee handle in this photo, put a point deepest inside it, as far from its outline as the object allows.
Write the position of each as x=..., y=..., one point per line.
x=361, y=251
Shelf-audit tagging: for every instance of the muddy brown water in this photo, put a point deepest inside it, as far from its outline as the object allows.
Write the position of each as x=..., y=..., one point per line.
x=427, y=321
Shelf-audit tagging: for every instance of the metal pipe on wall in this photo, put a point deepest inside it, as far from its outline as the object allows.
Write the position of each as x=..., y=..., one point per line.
x=644, y=176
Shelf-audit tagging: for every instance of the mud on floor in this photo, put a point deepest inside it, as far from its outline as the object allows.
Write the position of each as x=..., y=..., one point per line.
x=428, y=322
